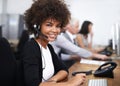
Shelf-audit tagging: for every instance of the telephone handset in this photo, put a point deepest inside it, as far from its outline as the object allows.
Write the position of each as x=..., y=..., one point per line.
x=106, y=70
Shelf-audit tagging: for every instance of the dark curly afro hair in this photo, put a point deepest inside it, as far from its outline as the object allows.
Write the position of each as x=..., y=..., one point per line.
x=41, y=10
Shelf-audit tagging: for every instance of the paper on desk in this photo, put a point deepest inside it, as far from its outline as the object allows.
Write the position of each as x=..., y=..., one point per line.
x=88, y=61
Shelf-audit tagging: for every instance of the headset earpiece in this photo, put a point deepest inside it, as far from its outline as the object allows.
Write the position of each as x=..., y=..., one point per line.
x=38, y=32
x=37, y=29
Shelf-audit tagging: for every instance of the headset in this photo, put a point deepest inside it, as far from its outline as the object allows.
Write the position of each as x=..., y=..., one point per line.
x=38, y=32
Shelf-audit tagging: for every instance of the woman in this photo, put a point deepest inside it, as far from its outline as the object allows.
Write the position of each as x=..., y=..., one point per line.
x=85, y=36
x=85, y=33
x=84, y=40
x=46, y=18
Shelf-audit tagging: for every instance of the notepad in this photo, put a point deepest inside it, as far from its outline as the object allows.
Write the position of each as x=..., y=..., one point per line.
x=89, y=61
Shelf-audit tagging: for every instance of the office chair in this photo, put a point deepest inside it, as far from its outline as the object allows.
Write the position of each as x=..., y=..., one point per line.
x=11, y=70
x=7, y=64
x=18, y=54
x=23, y=39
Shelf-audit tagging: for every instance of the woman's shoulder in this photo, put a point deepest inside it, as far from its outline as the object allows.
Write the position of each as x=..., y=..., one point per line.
x=31, y=44
x=31, y=48
x=79, y=35
x=50, y=47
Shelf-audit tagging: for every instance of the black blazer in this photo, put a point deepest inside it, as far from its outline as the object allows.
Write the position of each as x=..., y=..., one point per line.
x=32, y=62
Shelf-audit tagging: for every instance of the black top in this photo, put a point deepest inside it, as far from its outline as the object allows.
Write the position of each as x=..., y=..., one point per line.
x=32, y=62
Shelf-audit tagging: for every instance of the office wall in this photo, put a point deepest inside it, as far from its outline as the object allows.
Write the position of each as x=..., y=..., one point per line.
x=0, y=10
x=18, y=6
x=0, y=6
x=103, y=13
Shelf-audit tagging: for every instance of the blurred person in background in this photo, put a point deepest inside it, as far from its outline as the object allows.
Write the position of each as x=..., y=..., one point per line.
x=84, y=38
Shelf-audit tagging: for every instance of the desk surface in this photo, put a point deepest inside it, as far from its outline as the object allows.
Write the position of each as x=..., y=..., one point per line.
x=84, y=67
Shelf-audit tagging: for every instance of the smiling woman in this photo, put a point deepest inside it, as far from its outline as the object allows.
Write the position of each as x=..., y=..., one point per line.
x=45, y=19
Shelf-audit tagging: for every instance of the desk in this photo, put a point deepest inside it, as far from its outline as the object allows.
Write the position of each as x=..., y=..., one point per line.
x=84, y=67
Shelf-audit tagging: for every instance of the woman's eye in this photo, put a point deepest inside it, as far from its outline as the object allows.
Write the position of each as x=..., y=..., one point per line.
x=48, y=24
x=59, y=26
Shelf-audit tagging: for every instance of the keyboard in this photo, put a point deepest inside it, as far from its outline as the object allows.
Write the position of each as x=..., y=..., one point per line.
x=97, y=82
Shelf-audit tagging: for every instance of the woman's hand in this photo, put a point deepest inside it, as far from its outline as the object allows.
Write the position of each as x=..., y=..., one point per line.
x=91, y=34
x=100, y=56
x=77, y=80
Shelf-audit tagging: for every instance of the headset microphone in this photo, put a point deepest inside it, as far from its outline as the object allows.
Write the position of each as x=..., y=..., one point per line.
x=37, y=29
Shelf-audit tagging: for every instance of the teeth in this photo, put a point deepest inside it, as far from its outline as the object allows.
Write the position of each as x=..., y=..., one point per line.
x=52, y=35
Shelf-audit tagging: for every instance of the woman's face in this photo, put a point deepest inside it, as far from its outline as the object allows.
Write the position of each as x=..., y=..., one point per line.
x=50, y=28
x=90, y=28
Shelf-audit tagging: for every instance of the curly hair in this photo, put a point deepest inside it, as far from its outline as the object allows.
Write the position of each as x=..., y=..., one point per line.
x=41, y=10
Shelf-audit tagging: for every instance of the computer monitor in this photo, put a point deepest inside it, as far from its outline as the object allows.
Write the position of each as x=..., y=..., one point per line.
x=116, y=38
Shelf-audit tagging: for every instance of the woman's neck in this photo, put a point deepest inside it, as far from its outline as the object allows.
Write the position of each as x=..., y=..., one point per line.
x=42, y=41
